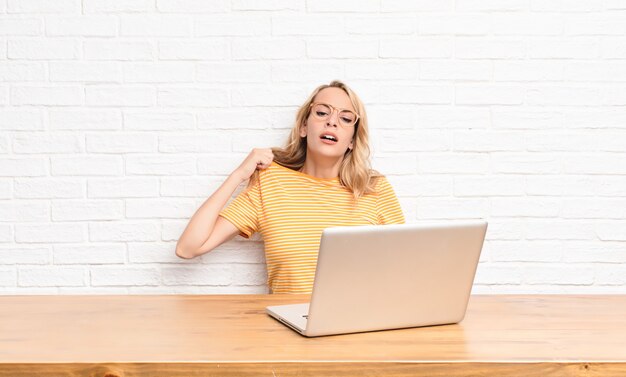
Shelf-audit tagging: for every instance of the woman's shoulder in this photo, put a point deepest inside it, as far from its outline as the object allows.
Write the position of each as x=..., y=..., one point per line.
x=378, y=179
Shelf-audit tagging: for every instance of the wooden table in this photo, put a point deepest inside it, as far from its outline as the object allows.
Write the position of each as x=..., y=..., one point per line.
x=230, y=335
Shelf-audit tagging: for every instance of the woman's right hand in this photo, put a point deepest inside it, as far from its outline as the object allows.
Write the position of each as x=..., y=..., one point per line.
x=259, y=158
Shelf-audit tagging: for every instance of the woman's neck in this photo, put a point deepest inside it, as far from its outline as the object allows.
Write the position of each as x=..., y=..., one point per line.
x=321, y=167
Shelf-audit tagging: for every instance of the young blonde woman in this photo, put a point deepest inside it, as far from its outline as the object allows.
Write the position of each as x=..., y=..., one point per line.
x=322, y=178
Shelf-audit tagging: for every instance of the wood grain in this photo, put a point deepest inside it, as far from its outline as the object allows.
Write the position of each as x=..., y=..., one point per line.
x=542, y=335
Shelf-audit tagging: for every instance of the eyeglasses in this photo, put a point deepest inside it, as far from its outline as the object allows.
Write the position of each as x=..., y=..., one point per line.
x=323, y=111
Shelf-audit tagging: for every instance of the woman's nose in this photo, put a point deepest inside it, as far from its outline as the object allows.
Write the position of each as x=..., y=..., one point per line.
x=333, y=119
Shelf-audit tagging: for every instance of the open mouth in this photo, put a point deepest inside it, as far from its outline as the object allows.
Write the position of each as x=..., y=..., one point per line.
x=328, y=139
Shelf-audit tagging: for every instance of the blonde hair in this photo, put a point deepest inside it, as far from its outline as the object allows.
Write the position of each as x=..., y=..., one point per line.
x=355, y=171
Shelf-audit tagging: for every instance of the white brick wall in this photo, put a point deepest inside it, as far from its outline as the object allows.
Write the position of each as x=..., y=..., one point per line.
x=119, y=118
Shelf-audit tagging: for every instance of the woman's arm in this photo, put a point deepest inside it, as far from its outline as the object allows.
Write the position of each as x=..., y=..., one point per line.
x=206, y=230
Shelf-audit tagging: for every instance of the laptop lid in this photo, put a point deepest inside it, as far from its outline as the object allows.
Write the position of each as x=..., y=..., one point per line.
x=394, y=276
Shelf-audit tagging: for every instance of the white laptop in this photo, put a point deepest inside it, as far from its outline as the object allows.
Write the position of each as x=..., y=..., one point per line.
x=382, y=277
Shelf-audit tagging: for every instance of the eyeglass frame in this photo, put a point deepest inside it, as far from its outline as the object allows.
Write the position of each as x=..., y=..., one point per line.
x=332, y=110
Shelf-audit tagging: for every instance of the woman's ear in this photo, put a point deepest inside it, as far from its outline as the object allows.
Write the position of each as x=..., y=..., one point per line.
x=303, y=130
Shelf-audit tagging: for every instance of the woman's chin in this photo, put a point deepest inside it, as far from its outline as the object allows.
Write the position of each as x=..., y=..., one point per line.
x=326, y=152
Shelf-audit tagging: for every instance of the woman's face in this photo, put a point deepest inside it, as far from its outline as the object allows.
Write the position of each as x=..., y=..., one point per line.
x=321, y=132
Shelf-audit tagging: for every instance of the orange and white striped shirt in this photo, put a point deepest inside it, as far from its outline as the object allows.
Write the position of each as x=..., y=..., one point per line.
x=290, y=210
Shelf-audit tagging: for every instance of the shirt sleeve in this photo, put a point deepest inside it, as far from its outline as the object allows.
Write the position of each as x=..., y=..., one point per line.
x=244, y=210
x=387, y=206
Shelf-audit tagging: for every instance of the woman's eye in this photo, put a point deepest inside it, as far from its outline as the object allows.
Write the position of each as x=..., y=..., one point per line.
x=321, y=113
x=347, y=120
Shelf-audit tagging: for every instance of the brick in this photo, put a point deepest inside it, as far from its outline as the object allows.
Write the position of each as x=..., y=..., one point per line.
x=43, y=49
x=455, y=70
x=158, y=165
x=86, y=210
x=205, y=49
x=529, y=118
x=47, y=95
x=22, y=71
x=416, y=6
x=8, y=277
x=421, y=185
x=525, y=163
x=158, y=120
x=192, y=6
x=155, y=25
x=525, y=207
x=120, y=96
x=43, y=6
x=155, y=252
x=124, y=276
x=126, y=187
x=159, y=208
x=595, y=163
x=416, y=48
x=86, y=166
x=51, y=277
x=452, y=117
x=610, y=230
x=238, y=118
x=89, y=254
x=24, y=255
x=250, y=274
x=185, y=97
x=552, y=273
x=104, y=49
x=527, y=23
x=123, y=231
x=267, y=48
x=92, y=119
x=253, y=95
x=460, y=163
x=594, y=252
x=311, y=24
x=118, y=6
x=307, y=72
x=50, y=232
x=416, y=141
x=552, y=229
x=377, y=25
x=212, y=142
x=498, y=273
x=482, y=48
x=488, y=186
x=275, y=5
x=237, y=25
x=453, y=24
x=161, y=72
x=595, y=24
x=488, y=141
x=85, y=72
x=120, y=143
x=491, y=5
x=21, y=120
x=81, y=26
x=24, y=211
x=544, y=70
x=423, y=94
x=489, y=95
x=523, y=251
x=218, y=274
x=201, y=187
x=563, y=48
x=49, y=143
x=610, y=274
x=20, y=26
x=453, y=208
x=23, y=167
